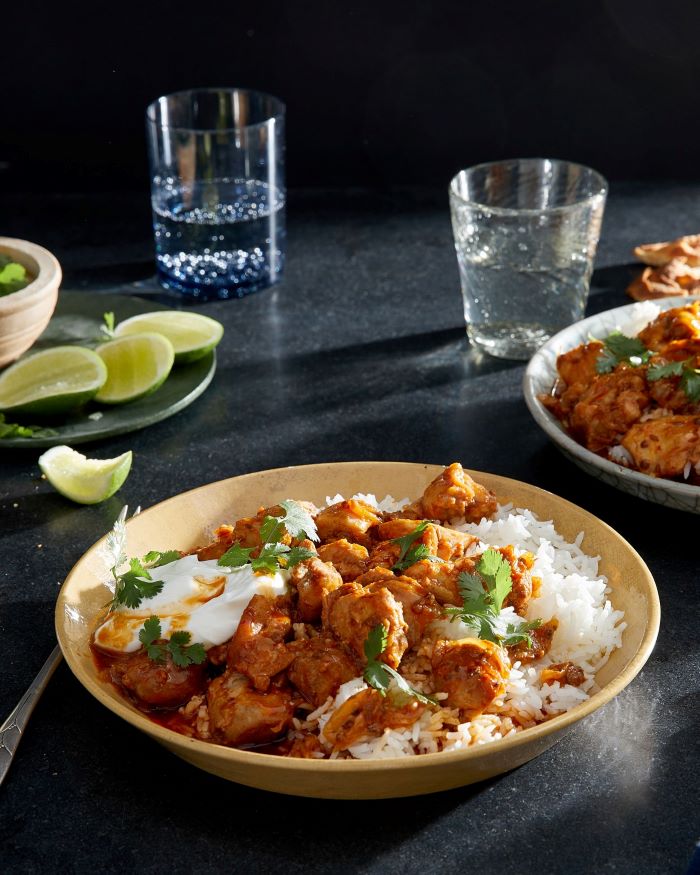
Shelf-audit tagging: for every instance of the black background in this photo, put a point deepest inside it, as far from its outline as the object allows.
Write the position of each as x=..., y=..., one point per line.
x=378, y=92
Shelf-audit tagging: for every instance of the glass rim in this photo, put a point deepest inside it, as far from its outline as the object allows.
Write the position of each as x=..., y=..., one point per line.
x=279, y=113
x=602, y=190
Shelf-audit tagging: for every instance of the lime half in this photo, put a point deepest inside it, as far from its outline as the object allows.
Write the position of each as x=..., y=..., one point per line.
x=191, y=334
x=87, y=481
x=136, y=367
x=53, y=381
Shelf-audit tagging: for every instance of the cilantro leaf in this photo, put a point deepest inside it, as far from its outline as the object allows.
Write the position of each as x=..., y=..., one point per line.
x=107, y=329
x=378, y=675
x=134, y=585
x=375, y=643
x=483, y=594
x=690, y=384
x=271, y=530
x=298, y=521
x=13, y=276
x=267, y=558
x=617, y=347
x=690, y=376
x=156, y=558
x=183, y=653
x=235, y=556
x=410, y=554
x=672, y=369
x=149, y=634
x=297, y=555
x=14, y=429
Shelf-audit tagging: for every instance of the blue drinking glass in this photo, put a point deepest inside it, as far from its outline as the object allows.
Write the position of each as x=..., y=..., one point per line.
x=217, y=191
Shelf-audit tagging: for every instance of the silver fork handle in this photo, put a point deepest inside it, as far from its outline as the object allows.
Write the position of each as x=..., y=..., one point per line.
x=12, y=729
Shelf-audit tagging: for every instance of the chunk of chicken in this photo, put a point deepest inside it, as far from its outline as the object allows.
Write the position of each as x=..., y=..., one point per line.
x=609, y=407
x=366, y=715
x=257, y=648
x=320, y=666
x=157, y=684
x=351, y=613
x=312, y=579
x=441, y=578
x=444, y=543
x=418, y=604
x=579, y=364
x=246, y=531
x=541, y=638
x=240, y=715
x=472, y=672
x=454, y=494
x=563, y=673
x=347, y=519
x=679, y=323
x=663, y=447
x=349, y=560
x=521, y=575
x=223, y=538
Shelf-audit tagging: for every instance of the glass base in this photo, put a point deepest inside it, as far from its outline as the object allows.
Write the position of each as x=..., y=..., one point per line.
x=509, y=340
x=211, y=292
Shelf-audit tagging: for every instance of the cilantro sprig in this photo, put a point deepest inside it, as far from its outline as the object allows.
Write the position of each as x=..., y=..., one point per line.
x=484, y=594
x=617, y=348
x=274, y=554
x=379, y=675
x=13, y=276
x=134, y=585
x=14, y=429
x=107, y=328
x=410, y=552
x=690, y=376
x=178, y=646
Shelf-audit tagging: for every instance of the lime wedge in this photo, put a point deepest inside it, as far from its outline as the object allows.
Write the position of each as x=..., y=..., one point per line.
x=53, y=381
x=87, y=481
x=136, y=367
x=191, y=334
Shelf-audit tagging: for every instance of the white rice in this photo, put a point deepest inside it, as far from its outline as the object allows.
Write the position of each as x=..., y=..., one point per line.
x=572, y=591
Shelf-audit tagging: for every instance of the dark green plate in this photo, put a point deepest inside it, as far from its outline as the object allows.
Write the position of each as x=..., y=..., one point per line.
x=77, y=320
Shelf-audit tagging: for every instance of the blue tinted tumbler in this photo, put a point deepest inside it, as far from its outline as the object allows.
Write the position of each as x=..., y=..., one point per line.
x=217, y=191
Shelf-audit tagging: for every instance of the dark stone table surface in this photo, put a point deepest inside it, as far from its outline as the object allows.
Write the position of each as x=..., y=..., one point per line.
x=359, y=354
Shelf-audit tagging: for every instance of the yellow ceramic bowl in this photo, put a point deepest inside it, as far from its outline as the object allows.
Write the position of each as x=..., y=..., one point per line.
x=25, y=314
x=188, y=519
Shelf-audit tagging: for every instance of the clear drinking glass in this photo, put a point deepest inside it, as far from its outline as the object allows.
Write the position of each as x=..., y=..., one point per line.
x=217, y=190
x=525, y=232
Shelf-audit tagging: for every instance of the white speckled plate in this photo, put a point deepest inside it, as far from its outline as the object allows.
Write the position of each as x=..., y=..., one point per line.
x=540, y=376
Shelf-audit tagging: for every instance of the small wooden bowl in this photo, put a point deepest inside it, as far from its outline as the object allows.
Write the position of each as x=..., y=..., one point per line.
x=25, y=314
x=189, y=518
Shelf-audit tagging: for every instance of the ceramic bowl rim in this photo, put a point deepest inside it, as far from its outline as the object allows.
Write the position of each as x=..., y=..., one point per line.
x=218, y=752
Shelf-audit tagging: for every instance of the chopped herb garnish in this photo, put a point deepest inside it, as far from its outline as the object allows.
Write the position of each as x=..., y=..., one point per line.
x=672, y=369
x=484, y=594
x=379, y=675
x=14, y=429
x=181, y=651
x=617, y=348
x=236, y=556
x=13, y=276
x=134, y=585
x=156, y=558
x=107, y=329
x=690, y=384
x=410, y=552
x=690, y=376
x=273, y=554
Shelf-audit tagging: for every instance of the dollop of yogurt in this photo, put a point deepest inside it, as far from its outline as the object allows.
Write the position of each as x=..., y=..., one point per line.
x=202, y=598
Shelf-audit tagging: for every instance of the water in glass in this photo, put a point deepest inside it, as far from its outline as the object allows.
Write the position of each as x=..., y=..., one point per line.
x=221, y=238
